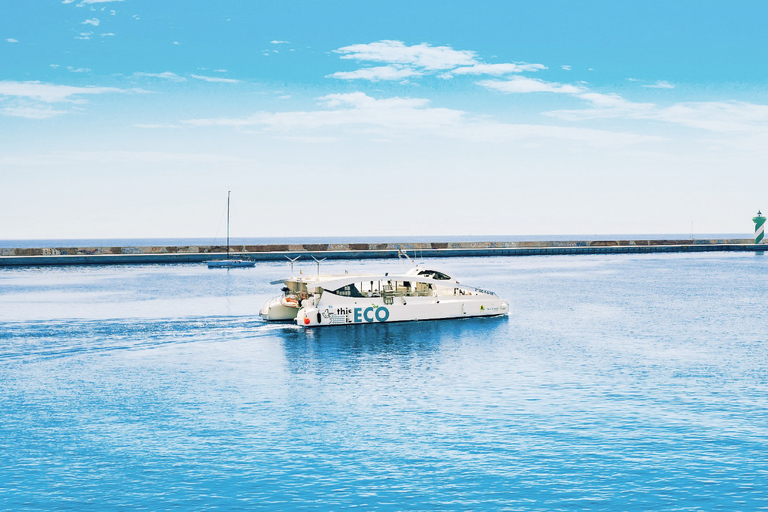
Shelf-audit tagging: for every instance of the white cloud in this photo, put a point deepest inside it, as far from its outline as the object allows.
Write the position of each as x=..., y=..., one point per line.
x=87, y=2
x=420, y=55
x=661, y=84
x=78, y=70
x=50, y=93
x=353, y=109
x=32, y=99
x=403, y=61
x=731, y=116
x=92, y=21
x=377, y=73
x=11, y=40
x=216, y=79
x=31, y=111
x=521, y=84
x=107, y=34
x=165, y=75
x=495, y=69
x=566, y=67
x=84, y=35
x=354, y=113
x=280, y=42
x=56, y=158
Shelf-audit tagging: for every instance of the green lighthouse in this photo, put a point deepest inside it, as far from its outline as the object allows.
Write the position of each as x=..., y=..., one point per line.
x=759, y=227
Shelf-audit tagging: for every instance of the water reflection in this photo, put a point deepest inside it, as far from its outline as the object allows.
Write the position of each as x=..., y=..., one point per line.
x=354, y=345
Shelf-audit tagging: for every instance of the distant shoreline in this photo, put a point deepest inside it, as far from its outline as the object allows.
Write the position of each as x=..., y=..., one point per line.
x=116, y=255
x=204, y=241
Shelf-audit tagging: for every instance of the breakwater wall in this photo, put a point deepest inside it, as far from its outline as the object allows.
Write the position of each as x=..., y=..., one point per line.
x=197, y=254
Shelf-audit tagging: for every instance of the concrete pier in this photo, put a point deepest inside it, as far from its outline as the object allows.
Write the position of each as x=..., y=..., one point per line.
x=197, y=254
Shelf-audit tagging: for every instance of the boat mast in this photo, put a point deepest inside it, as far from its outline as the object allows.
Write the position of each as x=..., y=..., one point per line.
x=228, y=192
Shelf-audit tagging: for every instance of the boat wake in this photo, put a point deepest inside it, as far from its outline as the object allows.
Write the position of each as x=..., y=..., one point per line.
x=52, y=339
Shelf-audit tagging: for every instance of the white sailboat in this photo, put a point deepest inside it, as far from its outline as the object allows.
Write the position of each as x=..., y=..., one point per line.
x=229, y=262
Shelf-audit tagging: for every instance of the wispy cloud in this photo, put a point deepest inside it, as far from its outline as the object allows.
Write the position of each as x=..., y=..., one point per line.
x=56, y=158
x=661, y=84
x=216, y=79
x=402, y=61
x=88, y=2
x=30, y=111
x=279, y=42
x=730, y=116
x=165, y=75
x=12, y=40
x=50, y=93
x=354, y=113
x=348, y=110
x=565, y=67
x=93, y=21
x=377, y=73
x=726, y=116
x=495, y=69
x=521, y=84
x=420, y=55
x=34, y=99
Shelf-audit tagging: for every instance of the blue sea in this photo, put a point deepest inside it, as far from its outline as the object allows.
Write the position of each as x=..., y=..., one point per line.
x=618, y=382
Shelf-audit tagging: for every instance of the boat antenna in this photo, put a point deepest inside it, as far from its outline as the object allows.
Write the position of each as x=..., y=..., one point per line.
x=292, y=260
x=318, y=263
x=403, y=257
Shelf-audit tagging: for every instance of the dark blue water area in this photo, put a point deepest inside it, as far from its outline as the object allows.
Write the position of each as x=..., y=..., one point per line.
x=181, y=242
x=618, y=382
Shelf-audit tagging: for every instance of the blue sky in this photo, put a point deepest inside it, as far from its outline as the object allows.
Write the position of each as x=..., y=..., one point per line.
x=133, y=118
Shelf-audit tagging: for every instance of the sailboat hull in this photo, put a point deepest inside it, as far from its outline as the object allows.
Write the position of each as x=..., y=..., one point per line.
x=230, y=263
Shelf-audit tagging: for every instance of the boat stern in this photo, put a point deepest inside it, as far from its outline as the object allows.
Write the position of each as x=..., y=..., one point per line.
x=275, y=311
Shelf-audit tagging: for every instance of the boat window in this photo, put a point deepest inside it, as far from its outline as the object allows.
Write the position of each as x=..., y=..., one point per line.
x=434, y=274
x=349, y=290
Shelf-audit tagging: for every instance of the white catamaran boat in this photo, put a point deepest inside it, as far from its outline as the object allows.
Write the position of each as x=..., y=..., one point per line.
x=229, y=262
x=419, y=294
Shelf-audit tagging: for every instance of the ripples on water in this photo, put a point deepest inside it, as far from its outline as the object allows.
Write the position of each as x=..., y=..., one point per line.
x=617, y=382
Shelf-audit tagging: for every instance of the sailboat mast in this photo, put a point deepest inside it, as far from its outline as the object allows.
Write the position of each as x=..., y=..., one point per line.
x=228, y=192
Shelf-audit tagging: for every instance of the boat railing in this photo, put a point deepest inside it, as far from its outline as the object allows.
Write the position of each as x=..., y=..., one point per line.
x=388, y=294
x=473, y=289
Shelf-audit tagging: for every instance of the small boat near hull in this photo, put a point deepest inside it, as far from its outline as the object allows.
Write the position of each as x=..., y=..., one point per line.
x=230, y=263
x=275, y=311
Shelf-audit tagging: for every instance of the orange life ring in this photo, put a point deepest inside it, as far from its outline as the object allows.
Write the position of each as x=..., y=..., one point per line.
x=290, y=302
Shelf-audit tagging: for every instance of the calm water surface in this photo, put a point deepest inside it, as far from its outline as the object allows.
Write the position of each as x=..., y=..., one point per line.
x=630, y=382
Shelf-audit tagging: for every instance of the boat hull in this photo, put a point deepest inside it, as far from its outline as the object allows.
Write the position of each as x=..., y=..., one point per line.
x=402, y=309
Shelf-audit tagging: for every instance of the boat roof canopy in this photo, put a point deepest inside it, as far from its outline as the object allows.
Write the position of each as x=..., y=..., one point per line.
x=335, y=284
